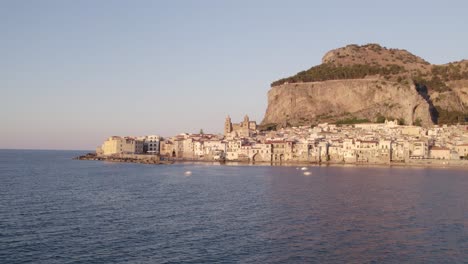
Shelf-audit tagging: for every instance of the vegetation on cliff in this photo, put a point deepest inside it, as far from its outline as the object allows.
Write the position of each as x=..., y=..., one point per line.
x=450, y=72
x=450, y=117
x=435, y=83
x=352, y=121
x=437, y=79
x=329, y=71
x=357, y=62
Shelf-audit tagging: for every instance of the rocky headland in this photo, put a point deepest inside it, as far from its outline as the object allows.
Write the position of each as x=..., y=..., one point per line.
x=370, y=83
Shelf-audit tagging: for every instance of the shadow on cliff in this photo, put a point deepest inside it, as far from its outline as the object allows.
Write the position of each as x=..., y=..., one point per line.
x=424, y=93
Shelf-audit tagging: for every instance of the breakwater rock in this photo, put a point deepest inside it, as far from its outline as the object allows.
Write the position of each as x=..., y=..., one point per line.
x=128, y=158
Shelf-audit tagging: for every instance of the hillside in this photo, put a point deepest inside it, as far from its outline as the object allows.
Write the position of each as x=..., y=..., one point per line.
x=371, y=83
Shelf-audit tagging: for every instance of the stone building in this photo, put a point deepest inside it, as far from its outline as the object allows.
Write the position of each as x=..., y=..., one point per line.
x=418, y=149
x=167, y=149
x=255, y=152
x=281, y=150
x=233, y=149
x=439, y=153
x=399, y=151
x=462, y=150
x=121, y=145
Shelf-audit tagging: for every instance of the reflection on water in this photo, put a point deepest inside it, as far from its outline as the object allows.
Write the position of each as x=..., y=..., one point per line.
x=56, y=210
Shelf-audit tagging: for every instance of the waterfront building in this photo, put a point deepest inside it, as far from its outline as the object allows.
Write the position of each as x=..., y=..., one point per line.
x=439, y=153
x=167, y=149
x=255, y=152
x=178, y=147
x=198, y=148
x=188, y=148
x=399, y=151
x=462, y=150
x=281, y=150
x=215, y=147
x=418, y=149
x=121, y=145
x=301, y=150
x=233, y=149
x=152, y=144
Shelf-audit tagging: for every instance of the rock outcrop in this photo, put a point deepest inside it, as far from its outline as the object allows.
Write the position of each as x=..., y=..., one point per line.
x=370, y=82
x=304, y=103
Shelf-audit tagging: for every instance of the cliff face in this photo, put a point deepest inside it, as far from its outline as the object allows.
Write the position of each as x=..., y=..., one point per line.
x=368, y=82
x=328, y=101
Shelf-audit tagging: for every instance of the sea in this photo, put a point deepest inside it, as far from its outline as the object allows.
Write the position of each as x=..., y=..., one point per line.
x=54, y=209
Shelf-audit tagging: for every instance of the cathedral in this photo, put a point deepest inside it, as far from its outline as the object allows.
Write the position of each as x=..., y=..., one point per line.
x=242, y=129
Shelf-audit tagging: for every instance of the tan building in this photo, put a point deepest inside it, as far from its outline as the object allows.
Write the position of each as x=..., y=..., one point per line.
x=188, y=148
x=167, y=149
x=255, y=152
x=179, y=147
x=462, y=150
x=121, y=145
x=418, y=149
x=411, y=130
x=215, y=148
x=281, y=150
x=439, y=153
x=233, y=149
x=400, y=151
x=301, y=151
x=336, y=151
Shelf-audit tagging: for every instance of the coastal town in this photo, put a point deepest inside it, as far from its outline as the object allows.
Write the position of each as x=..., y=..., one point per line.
x=365, y=143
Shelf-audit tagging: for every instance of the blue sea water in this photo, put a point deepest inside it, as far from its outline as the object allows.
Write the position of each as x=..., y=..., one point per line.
x=57, y=210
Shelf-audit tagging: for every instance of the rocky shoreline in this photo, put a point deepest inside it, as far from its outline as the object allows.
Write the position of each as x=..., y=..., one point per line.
x=125, y=159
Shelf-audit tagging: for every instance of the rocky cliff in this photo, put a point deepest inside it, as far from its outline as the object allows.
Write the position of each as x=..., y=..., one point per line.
x=371, y=83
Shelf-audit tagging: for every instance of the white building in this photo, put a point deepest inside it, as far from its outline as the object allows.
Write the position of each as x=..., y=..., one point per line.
x=152, y=144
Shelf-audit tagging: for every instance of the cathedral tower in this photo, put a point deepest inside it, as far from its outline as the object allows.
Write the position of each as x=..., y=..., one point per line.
x=227, y=126
x=246, y=123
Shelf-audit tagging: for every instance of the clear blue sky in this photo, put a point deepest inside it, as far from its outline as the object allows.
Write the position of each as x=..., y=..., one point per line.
x=75, y=72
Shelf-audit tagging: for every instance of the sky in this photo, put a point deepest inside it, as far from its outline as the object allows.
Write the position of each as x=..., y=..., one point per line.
x=73, y=73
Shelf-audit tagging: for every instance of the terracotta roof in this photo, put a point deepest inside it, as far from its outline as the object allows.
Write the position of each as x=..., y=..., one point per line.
x=274, y=141
x=368, y=141
x=438, y=148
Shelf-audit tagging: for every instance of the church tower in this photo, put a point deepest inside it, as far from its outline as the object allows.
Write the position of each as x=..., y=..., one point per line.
x=246, y=123
x=227, y=126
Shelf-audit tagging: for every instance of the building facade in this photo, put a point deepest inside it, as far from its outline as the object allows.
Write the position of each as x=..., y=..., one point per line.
x=152, y=144
x=122, y=145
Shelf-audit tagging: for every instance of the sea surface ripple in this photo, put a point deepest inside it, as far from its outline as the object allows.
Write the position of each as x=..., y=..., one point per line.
x=57, y=210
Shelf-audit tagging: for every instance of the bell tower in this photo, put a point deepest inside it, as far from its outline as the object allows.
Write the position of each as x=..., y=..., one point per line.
x=246, y=122
x=227, y=126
